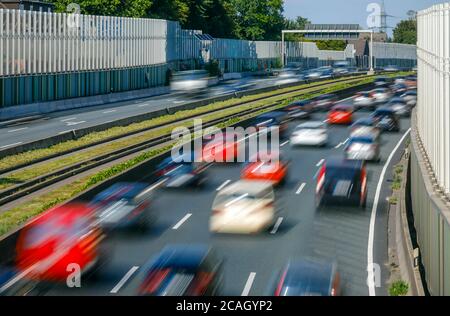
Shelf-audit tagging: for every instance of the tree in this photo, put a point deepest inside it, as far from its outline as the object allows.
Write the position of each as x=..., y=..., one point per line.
x=298, y=24
x=259, y=19
x=174, y=10
x=220, y=19
x=128, y=8
x=406, y=32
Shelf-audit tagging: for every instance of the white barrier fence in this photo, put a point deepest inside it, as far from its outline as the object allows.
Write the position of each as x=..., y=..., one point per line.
x=433, y=113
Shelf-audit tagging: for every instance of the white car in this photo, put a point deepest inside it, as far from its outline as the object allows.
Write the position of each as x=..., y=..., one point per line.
x=381, y=95
x=410, y=97
x=313, y=133
x=244, y=207
x=364, y=100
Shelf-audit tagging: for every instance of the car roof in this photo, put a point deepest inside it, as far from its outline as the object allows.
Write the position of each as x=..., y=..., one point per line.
x=397, y=99
x=339, y=162
x=179, y=256
x=271, y=115
x=342, y=107
x=121, y=190
x=366, y=121
x=361, y=138
x=250, y=187
x=311, y=124
x=384, y=110
x=309, y=277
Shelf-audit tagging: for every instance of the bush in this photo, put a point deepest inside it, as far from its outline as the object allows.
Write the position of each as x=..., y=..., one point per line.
x=399, y=288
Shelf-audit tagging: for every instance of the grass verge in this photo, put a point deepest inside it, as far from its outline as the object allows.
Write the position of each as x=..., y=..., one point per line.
x=15, y=217
x=32, y=172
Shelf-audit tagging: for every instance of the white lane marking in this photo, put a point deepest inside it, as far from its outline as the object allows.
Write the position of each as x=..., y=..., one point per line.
x=342, y=144
x=10, y=145
x=300, y=189
x=223, y=185
x=181, y=222
x=75, y=123
x=18, y=129
x=277, y=225
x=284, y=144
x=64, y=132
x=143, y=104
x=248, y=285
x=125, y=278
x=110, y=111
x=178, y=102
x=320, y=163
x=370, y=277
x=68, y=119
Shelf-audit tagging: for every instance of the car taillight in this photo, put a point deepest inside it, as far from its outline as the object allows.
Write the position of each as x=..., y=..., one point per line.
x=200, y=284
x=153, y=281
x=139, y=209
x=320, y=179
x=280, y=284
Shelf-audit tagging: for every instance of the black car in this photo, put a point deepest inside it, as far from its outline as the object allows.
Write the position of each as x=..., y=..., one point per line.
x=325, y=102
x=124, y=205
x=386, y=119
x=299, y=110
x=183, y=270
x=182, y=172
x=341, y=182
x=276, y=119
x=307, y=277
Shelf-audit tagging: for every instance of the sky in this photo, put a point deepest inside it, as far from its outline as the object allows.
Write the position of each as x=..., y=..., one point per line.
x=351, y=11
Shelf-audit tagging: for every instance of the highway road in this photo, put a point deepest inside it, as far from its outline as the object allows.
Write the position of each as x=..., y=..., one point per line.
x=336, y=233
x=66, y=121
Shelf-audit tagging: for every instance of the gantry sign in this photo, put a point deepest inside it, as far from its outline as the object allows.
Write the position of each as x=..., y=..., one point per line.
x=329, y=32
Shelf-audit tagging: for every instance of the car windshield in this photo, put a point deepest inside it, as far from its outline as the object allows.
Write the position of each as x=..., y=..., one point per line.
x=361, y=140
x=228, y=200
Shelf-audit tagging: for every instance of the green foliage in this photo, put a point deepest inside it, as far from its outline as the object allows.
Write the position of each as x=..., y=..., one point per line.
x=128, y=8
x=399, y=288
x=259, y=19
x=174, y=10
x=406, y=32
x=331, y=45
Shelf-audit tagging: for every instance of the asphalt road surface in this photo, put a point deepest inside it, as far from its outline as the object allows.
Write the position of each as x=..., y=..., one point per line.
x=336, y=233
x=66, y=121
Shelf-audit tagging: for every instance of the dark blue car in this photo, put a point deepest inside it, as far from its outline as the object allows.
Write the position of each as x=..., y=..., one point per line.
x=341, y=181
x=183, y=270
x=124, y=205
x=386, y=119
x=308, y=277
x=182, y=172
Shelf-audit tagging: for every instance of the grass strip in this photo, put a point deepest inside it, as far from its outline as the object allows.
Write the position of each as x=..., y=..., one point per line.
x=32, y=155
x=15, y=217
x=32, y=172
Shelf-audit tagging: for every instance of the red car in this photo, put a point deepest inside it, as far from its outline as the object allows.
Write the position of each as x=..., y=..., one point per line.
x=48, y=247
x=221, y=149
x=341, y=114
x=270, y=171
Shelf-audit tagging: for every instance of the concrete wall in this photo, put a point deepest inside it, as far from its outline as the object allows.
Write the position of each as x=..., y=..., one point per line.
x=432, y=221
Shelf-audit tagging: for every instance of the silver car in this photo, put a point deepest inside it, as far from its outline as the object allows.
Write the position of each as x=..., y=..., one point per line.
x=364, y=100
x=400, y=107
x=381, y=95
x=362, y=148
